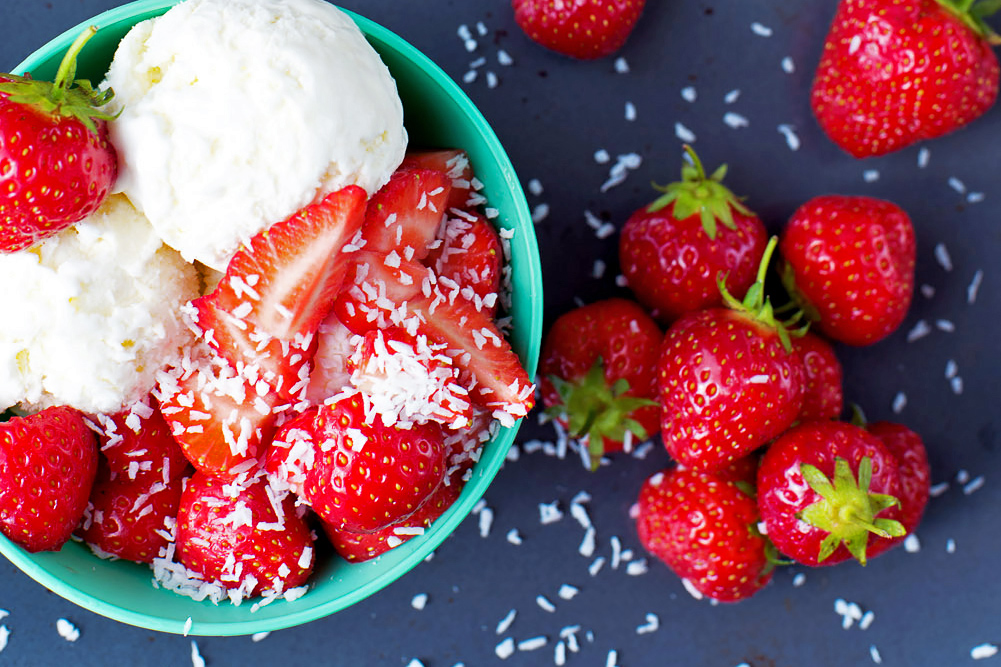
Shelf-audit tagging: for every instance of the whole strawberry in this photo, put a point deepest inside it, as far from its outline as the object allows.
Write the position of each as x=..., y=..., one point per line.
x=598, y=374
x=915, y=476
x=729, y=380
x=894, y=73
x=848, y=261
x=674, y=251
x=56, y=163
x=48, y=461
x=823, y=393
x=584, y=29
x=704, y=528
x=829, y=491
x=365, y=475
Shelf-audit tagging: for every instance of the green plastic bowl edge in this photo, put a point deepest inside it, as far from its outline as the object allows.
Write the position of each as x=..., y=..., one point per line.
x=426, y=118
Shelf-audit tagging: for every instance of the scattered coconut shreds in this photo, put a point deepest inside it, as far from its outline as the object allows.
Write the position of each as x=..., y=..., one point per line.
x=974, y=287
x=973, y=485
x=505, y=649
x=533, y=643
x=505, y=623
x=630, y=111
x=535, y=187
x=899, y=402
x=514, y=537
x=595, y=567
x=260, y=636
x=874, y=654
x=761, y=30
x=587, y=544
x=568, y=592
x=920, y=329
x=735, y=120
x=683, y=133
x=975, y=197
x=621, y=65
x=540, y=212
x=799, y=579
x=196, y=657
x=550, y=512
x=866, y=620
x=67, y=630
x=689, y=94
x=545, y=603
x=788, y=65
x=732, y=96
x=942, y=256
x=912, y=544
x=850, y=612
x=652, y=625
x=560, y=653
x=924, y=155
x=612, y=659
x=792, y=139
x=414, y=662
x=870, y=175
x=937, y=490
x=601, y=156
x=927, y=291
x=187, y=626
x=957, y=185
x=419, y=601
x=690, y=587
x=486, y=521
x=982, y=651
x=4, y=637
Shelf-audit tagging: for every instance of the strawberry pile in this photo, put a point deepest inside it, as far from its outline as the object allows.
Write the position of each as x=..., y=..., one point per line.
x=345, y=372
x=746, y=396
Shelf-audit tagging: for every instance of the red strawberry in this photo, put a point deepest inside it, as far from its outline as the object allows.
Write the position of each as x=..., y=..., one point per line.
x=277, y=290
x=291, y=452
x=366, y=475
x=48, y=461
x=729, y=380
x=455, y=164
x=56, y=162
x=823, y=395
x=375, y=288
x=404, y=215
x=598, y=374
x=704, y=528
x=130, y=519
x=849, y=264
x=823, y=487
x=243, y=536
x=674, y=251
x=408, y=380
x=219, y=418
x=915, y=476
x=137, y=444
x=892, y=74
x=358, y=547
x=464, y=447
x=582, y=29
x=469, y=259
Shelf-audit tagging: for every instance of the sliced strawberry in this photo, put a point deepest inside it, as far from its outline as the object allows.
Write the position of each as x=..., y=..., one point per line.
x=404, y=215
x=291, y=452
x=137, y=444
x=455, y=164
x=375, y=288
x=494, y=374
x=329, y=373
x=358, y=547
x=218, y=417
x=408, y=379
x=469, y=259
x=243, y=536
x=129, y=518
x=367, y=475
x=463, y=447
x=47, y=465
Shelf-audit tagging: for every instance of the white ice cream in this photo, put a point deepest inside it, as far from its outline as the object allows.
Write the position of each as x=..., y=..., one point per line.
x=237, y=113
x=92, y=313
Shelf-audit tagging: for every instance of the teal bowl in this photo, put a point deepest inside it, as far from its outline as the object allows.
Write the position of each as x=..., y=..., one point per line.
x=437, y=114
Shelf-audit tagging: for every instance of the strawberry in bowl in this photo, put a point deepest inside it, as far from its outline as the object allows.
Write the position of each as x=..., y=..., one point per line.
x=268, y=349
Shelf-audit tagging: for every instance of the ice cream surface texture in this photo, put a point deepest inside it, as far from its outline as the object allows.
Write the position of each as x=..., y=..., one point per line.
x=94, y=313
x=237, y=113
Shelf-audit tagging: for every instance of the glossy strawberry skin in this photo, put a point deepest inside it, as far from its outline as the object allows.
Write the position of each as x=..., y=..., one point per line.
x=403, y=217
x=894, y=73
x=627, y=340
x=48, y=462
x=213, y=534
x=849, y=262
x=455, y=164
x=783, y=493
x=727, y=386
x=823, y=392
x=136, y=444
x=470, y=255
x=55, y=172
x=584, y=29
x=129, y=518
x=703, y=527
x=915, y=476
x=366, y=476
x=672, y=265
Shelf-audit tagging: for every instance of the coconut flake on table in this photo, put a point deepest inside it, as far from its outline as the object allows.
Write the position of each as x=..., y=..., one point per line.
x=689, y=94
x=683, y=133
x=67, y=630
x=760, y=29
x=983, y=651
x=196, y=656
x=4, y=637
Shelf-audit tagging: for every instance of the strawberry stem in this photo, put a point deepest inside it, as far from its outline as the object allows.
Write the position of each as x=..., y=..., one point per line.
x=972, y=14
x=66, y=73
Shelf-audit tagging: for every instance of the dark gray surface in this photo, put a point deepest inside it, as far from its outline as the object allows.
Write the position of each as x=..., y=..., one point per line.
x=930, y=608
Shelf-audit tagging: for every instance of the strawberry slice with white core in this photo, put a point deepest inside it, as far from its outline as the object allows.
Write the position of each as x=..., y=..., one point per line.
x=330, y=374
x=218, y=416
x=469, y=259
x=404, y=215
x=408, y=380
x=455, y=164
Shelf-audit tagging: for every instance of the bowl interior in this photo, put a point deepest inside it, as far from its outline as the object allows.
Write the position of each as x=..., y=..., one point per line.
x=437, y=114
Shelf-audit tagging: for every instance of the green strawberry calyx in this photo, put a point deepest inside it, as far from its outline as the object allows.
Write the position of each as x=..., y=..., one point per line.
x=972, y=14
x=758, y=306
x=699, y=194
x=596, y=410
x=847, y=511
x=66, y=96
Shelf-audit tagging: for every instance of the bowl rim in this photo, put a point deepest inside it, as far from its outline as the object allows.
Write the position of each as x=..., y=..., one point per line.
x=410, y=554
